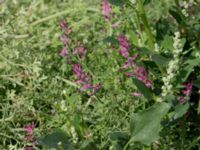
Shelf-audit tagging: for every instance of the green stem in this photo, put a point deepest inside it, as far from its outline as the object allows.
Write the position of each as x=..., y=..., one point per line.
x=2, y=37
x=57, y=15
x=127, y=144
x=68, y=82
x=146, y=25
x=50, y=17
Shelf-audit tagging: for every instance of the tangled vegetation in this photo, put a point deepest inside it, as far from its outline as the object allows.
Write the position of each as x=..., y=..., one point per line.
x=99, y=74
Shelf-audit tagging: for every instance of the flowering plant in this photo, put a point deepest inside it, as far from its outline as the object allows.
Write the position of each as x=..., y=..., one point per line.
x=100, y=74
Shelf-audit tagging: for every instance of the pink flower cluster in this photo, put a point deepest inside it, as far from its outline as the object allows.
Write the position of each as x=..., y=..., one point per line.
x=84, y=79
x=29, y=128
x=124, y=45
x=139, y=72
x=65, y=38
x=106, y=9
x=186, y=92
x=188, y=89
x=79, y=50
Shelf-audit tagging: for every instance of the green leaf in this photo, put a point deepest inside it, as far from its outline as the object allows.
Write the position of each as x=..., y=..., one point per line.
x=193, y=62
x=144, y=51
x=133, y=37
x=186, y=71
x=117, y=2
x=145, y=125
x=87, y=145
x=114, y=136
x=52, y=140
x=111, y=40
x=160, y=60
x=180, y=110
x=147, y=92
x=174, y=11
x=167, y=43
x=196, y=83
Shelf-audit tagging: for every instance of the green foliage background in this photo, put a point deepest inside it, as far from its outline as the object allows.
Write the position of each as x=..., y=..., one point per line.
x=36, y=84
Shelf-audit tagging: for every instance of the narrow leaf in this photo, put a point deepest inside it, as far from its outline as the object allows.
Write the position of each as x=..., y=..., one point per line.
x=147, y=92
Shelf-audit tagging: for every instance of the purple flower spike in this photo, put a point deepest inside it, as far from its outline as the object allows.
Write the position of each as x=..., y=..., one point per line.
x=106, y=9
x=29, y=128
x=124, y=46
x=187, y=92
x=142, y=75
x=137, y=94
x=130, y=62
x=77, y=70
x=80, y=50
x=64, y=39
x=84, y=79
x=188, y=89
x=63, y=25
x=64, y=52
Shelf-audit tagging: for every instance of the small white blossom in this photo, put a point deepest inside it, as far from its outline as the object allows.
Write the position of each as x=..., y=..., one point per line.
x=173, y=66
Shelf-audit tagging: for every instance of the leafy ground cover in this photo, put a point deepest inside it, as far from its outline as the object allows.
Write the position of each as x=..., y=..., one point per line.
x=99, y=74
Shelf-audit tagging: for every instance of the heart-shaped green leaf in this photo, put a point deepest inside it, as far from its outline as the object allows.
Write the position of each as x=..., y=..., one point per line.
x=57, y=139
x=145, y=125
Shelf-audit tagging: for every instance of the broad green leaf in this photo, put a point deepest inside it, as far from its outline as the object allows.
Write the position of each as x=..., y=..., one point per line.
x=147, y=92
x=180, y=110
x=196, y=83
x=160, y=60
x=54, y=139
x=145, y=125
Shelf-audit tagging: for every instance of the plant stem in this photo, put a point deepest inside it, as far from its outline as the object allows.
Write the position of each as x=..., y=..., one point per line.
x=2, y=37
x=68, y=82
x=127, y=144
x=57, y=15
x=146, y=25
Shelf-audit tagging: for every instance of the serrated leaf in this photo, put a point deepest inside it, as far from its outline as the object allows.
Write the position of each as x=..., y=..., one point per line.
x=147, y=92
x=52, y=140
x=180, y=110
x=145, y=125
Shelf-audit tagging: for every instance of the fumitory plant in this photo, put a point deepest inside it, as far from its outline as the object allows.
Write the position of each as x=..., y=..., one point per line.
x=100, y=74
